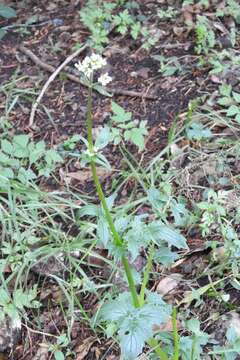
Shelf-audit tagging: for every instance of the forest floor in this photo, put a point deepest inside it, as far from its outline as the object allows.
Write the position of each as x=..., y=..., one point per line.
x=186, y=86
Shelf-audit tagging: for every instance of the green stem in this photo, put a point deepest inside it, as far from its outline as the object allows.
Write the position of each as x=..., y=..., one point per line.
x=175, y=335
x=117, y=240
x=89, y=120
x=153, y=343
x=146, y=275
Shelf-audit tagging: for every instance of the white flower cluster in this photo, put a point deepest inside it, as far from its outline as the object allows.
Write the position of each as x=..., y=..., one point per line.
x=92, y=63
x=104, y=79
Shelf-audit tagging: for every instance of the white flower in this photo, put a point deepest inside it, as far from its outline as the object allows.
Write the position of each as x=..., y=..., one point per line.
x=97, y=61
x=104, y=79
x=85, y=67
x=90, y=63
x=16, y=323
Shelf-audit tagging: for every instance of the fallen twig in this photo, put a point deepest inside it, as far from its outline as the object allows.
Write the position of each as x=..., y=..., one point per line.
x=55, y=73
x=72, y=77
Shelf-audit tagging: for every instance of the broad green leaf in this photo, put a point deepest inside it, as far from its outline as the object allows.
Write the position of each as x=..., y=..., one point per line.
x=103, y=233
x=172, y=237
x=165, y=256
x=137, y=237
x=164, y=233
x=135, y=325
x=7, y=147
x=193, y=325
x=225, y=101
x=236, y=96
x=103, y=138
x=58, y=355
x=37, y=152
x=180, y=213
x=4, y=297
x=156, y=198
x=90, y=210
x=102, y=90
x=136, y=136
x=233, y=110
x=21, y=140
x=52, y=156
x=7, y=173
x=225, y=90
x=25, y=175
x=116, y=309
x=121, y=223
x=198, y=132
x=20, y=143
x=237, y=118
x=11, y=310
x=7, y=12
x=2, y=33
x=110, y=200
x=133, y=338
x=120, y=115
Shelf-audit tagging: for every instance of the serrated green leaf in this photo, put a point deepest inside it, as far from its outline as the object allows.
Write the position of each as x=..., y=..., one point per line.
x=198, y=132
x=135, y=325
x=7, y=173
x=121, y=223
x=4, y=159
x=114, y=310
x=110, y=200
x=165, y=256
x=132, y=340
x=233, y=110
x=225, y=101
x=20, y=144
x=237, y=118
x=37, y=152
x=236, y=96
x=157, y=198
x=164, y=233
x=136, y=136
x=52, y=156
x=225, y=90
x=137, y=237
x=6, y=147
x=120, y=115
x=21, y=140
x=25, y=175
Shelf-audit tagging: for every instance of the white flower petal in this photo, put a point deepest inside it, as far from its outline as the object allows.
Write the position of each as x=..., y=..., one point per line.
x=104, y=79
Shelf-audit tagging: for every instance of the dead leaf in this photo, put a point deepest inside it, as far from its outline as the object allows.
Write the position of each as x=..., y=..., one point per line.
x=83, y=349
x=178, y=30
x=187, y=16
x=86, y=175
x=168, y=284
x=167, y=326
x=42, y=353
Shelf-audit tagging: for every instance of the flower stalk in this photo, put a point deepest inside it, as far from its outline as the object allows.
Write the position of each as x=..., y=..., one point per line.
x=116, y=238
x=87, y=67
